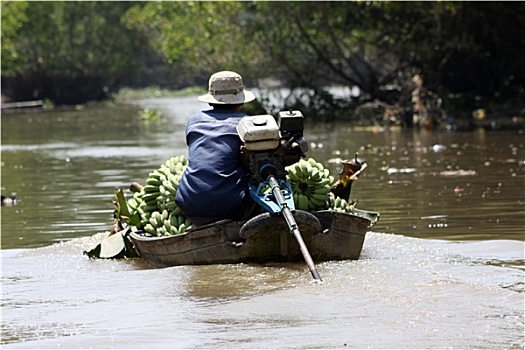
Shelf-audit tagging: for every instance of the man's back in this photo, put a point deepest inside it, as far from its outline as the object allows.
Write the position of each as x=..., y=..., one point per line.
x=214, y=185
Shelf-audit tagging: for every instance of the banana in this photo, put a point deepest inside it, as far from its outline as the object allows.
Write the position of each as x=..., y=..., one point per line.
x=317, y=201
x=153, y=181
x=173, y=168
x=162, y=198
x=167, y=225
x=151, y=203
x=154, y=175
x=173, y=220
x=169, y=186
x=315, y=175
x=148, y=208
x=132, y=204
x=316, y=164
x=180, y=220
x=158, y=219
x=292, y=173
x=344, y=206
x=309, y=204
x=177, y=211
x=172, y=178
x=298, y=170
x=163, y=171
x=302, y=202
x=325, y=182
x=171, y=206
x=337, y=203
x=305, y=167
x=153, y=219
x=179, y=168
x=150, y=229
x=162, y=231
x=311, y=183
x=164, y=190
x=322, y=190
x=155, y=203
x=295, y=197
x=151, y=196
x=151, y=188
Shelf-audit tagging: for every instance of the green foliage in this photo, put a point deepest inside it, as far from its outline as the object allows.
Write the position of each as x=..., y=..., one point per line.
x=153, y=92
x=73, y=37
x=203, y=36
x=147, y=114
x=13, y=17
x=469, y=49
x=59, y=49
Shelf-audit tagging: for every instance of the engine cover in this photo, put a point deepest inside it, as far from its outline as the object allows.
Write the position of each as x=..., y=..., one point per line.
x=259, y=132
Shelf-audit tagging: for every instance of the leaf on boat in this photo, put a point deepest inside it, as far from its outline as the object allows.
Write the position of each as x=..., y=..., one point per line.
x=372, y=216
x=112, y=246
x=122, y=205
x=115, y=246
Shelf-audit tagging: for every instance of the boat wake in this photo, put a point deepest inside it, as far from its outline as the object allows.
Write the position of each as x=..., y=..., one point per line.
x=402, y=291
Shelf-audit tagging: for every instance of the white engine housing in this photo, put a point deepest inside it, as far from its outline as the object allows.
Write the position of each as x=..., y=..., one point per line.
x=259, y=132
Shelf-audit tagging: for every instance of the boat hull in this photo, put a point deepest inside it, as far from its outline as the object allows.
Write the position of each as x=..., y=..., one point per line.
x=333, y=236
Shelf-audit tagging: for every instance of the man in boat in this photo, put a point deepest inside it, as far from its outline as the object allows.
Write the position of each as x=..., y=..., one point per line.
x=214, y=186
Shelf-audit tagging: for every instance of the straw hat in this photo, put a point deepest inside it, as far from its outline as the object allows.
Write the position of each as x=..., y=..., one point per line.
x=226, y=88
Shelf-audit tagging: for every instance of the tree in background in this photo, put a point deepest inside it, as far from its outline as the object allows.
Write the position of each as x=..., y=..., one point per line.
x=316, y=45
x=68, y=52
x=455, y=56
x=203, y=37
x=468, y=53
x=463, y=52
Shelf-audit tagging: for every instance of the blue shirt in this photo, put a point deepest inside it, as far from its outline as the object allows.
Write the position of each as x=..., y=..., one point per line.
x=214, y=184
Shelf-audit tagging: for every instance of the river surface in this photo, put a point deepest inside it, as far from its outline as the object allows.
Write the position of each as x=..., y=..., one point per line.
x=443, y=268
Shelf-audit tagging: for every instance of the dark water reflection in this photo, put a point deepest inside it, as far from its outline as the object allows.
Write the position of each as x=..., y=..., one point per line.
x=66, y=165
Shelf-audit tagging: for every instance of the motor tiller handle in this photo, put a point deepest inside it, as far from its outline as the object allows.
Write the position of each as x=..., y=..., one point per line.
x=292, y=225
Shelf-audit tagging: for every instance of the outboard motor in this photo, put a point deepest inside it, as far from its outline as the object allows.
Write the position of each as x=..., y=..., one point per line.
x=269, y=146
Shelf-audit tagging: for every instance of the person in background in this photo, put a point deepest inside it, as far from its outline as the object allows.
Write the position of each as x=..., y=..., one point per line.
x=214, y=186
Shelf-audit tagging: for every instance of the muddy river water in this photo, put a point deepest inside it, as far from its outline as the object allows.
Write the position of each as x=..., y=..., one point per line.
x=443, y=268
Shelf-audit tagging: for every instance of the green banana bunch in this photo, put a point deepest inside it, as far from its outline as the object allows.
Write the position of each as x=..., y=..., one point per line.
x=168, y=178
x=311, y=188
x=166, y=224
x=154, y=207
x=340, y=205
x=177, y=224
x=311, y=184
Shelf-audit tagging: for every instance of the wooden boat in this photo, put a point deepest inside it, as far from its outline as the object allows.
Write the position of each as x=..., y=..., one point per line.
x=329, y=235
x=323, y=235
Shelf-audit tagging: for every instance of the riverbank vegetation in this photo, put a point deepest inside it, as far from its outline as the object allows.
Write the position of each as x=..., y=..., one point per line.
x=417, y=63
